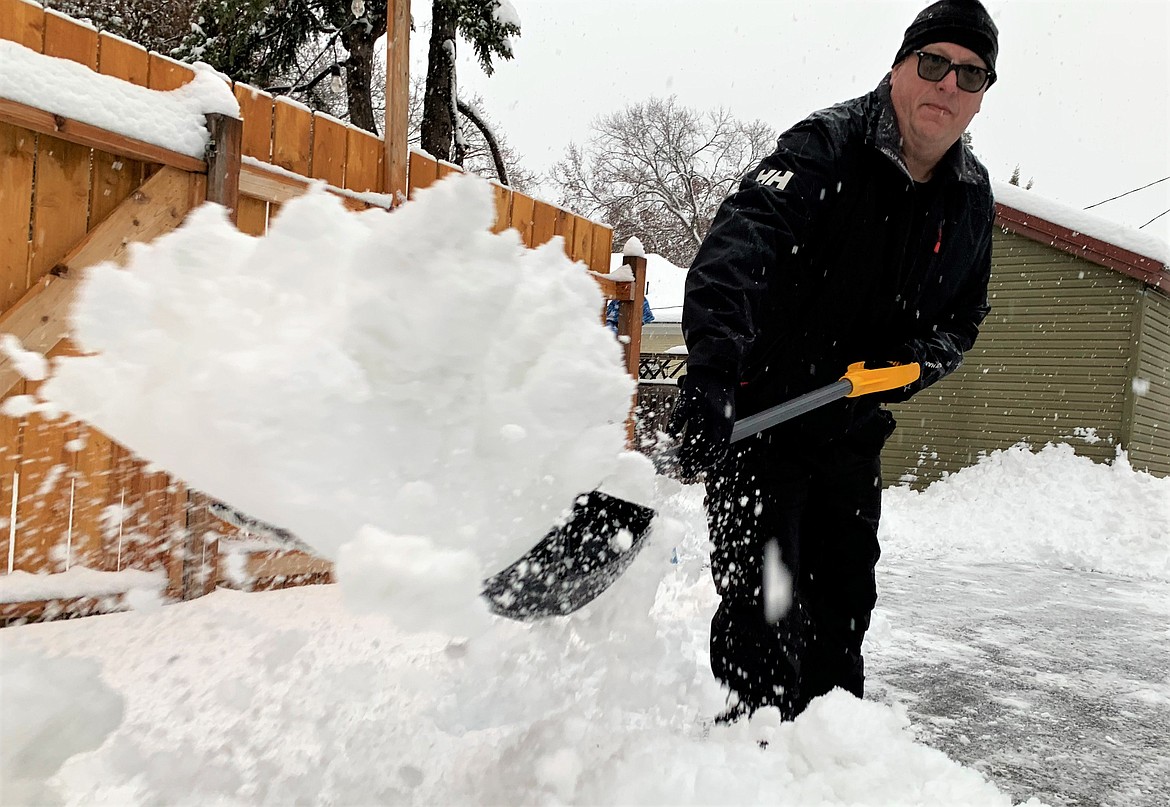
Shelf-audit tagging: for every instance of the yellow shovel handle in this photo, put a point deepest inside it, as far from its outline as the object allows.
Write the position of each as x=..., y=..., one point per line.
x=879, y=379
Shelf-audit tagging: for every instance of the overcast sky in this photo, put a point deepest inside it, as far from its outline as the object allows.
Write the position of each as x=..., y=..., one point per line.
x=1081, y=104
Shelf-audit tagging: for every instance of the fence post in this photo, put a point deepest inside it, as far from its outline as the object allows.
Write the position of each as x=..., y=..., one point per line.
x=199, y=551
x=223, y=162
x=629, y=325
x=397, y=95
x=630, y=314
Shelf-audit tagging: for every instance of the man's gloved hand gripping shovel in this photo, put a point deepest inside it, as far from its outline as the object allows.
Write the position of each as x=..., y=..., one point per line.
x=603, y=534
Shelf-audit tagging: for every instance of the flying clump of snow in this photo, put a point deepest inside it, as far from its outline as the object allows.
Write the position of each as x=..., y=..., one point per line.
x=409, y=393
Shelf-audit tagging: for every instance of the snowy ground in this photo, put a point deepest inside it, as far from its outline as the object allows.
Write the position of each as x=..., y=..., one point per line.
x=1050, y=680
x=418, y=398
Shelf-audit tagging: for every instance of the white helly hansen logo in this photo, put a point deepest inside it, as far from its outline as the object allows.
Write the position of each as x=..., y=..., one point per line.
x=777, y=178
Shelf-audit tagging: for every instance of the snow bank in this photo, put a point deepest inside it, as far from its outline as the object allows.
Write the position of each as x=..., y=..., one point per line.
x=53, y=708
x=173, y=120
x=1050, y=507
x=286, y=697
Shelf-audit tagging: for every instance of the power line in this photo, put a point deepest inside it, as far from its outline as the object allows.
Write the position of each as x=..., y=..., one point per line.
x=1155, y=218
x=1127, y=193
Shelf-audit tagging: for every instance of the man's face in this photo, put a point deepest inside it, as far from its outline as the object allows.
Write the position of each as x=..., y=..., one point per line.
x=932, y=115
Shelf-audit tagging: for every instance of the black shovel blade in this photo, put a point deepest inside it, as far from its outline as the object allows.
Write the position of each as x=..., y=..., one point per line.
x=574, y=562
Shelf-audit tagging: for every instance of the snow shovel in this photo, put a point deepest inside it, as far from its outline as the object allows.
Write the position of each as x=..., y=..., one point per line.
x=601, y=536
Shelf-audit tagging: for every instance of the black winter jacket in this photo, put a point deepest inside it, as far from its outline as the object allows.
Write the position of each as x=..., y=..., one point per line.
x=829, y=253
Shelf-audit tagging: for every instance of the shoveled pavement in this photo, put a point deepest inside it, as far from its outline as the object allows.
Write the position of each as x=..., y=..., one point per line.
x=1054, y=683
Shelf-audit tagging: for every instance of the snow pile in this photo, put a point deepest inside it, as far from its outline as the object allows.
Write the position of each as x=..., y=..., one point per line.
x=174, y=120
x=53, y=708
x=286, y=697
x=78, y=581
x=408, y=393
x=1051, y=507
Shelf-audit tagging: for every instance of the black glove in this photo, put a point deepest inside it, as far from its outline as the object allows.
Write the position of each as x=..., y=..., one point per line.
x=903, y=354
x=702, y=419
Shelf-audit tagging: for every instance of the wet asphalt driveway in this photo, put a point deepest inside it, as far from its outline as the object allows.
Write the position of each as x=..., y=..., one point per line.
x=1054, y=683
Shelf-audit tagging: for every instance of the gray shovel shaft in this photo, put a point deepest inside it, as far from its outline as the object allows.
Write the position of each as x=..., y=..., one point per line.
x=753, y=424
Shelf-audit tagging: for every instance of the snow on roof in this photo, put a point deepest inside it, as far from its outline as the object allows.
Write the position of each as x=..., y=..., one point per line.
x=1082, y=222
x=173, y=120
x=664, y=286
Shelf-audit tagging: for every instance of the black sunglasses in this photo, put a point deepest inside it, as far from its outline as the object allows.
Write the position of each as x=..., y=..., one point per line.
x=969, y=77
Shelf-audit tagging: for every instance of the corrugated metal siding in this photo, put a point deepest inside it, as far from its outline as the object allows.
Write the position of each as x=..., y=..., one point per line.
x=1149, y=444
x=1053, y=357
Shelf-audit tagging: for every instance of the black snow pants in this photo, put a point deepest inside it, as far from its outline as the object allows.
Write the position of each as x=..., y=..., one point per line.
x=821, y=508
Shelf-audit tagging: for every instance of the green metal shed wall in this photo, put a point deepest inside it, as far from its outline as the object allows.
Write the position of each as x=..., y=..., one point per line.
x=1054, y=357
x=1149, y=440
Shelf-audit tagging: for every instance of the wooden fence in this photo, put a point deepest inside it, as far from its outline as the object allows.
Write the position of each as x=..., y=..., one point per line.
x=72, y=195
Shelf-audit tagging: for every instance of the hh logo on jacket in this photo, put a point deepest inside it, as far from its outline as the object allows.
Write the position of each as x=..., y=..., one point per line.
x=777, y=178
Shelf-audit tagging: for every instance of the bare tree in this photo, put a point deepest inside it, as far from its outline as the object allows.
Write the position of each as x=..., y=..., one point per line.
x=659, y=170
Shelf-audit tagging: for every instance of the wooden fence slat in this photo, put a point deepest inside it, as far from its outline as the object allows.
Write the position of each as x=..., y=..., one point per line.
x=93, y=466
x=168, y=74
x=563, y=226
x=10, y=440
x=23, y=22
x=446, y=169
x=123, y=59
x=68, y=39
x=544, y=223
x=503, y=198
x=253, y=216
x=17, y=151
x=292, y=137
x=256, y=110
x=424, y=171
x=42, y=510
x=602, y=248
x=329, y=147
x=115, y=177
x=523, y=215
x=121, y=502
x=60, y=202
x=363, y=167
x=582, y=246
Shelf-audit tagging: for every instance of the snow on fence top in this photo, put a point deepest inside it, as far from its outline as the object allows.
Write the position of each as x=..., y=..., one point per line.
x=1082, y=221
x=174, y=120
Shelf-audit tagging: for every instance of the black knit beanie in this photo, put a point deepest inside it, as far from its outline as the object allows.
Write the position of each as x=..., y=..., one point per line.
x=964, y=22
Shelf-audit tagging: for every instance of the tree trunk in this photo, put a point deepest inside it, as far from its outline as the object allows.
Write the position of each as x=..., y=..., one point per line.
x=358, y=72
x=437, y=126
x=490, y=137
